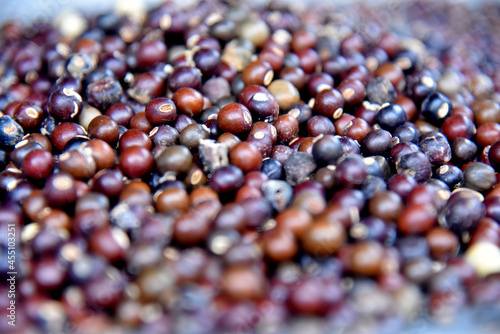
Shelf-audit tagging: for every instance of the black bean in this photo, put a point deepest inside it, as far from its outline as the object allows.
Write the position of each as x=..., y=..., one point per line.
x=278, y=193
x=272, y=168
x=10, y=132
x=415, y=164
x=298, y=167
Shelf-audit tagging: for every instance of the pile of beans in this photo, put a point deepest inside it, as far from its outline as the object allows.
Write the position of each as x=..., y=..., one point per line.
x=228, y=167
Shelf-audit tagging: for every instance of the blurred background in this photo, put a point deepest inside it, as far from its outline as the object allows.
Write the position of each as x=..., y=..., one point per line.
x=29, y=10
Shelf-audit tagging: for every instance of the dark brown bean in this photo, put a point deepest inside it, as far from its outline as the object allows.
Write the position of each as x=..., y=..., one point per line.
x=323, y=238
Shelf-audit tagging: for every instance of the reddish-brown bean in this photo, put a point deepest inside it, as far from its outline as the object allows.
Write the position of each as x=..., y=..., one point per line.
x=417, y=218
x=246, y=157
x=234, y=118
x=188, y=100
x=135, y=161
